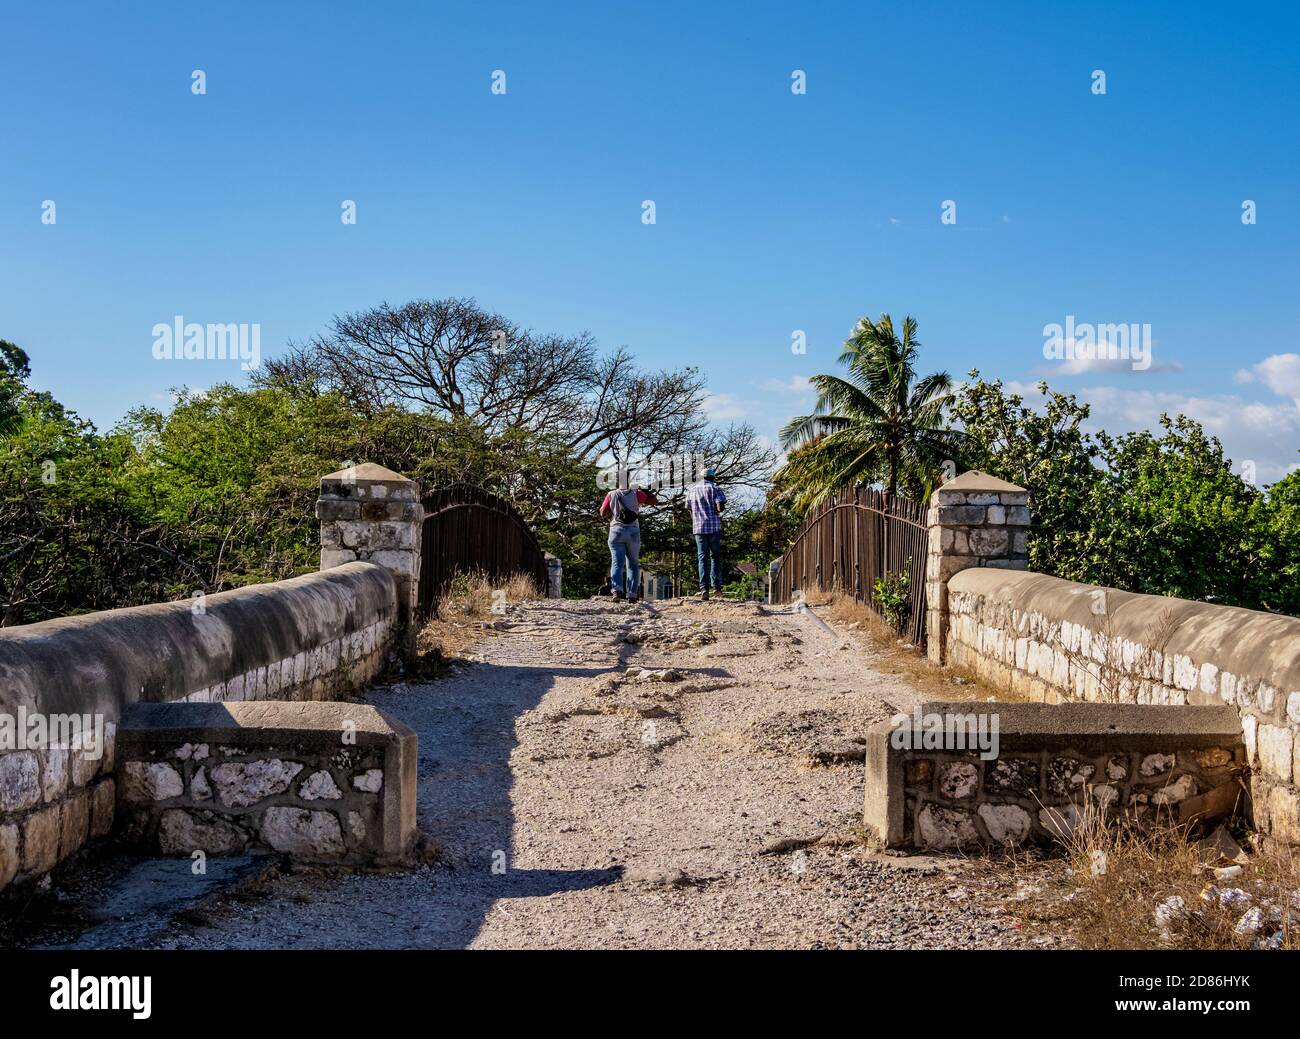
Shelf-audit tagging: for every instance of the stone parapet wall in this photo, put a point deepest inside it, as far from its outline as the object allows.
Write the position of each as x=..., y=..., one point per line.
x=974, y=520
x=373, y=514
x=324, y=782
x=1056, y=640
x=1047, y=763
x=308, y=638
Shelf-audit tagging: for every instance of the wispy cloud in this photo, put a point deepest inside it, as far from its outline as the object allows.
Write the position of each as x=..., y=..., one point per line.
x=723, y=407
x=796, y=384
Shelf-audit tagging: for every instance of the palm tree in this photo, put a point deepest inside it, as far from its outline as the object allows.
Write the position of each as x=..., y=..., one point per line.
x=877, y=422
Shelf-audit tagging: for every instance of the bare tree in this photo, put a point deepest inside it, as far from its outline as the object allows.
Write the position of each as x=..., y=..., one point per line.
x=456, y=360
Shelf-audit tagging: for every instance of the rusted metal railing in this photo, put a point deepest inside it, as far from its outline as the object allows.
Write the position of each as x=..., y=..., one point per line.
x=470, y=530
x=849, y=541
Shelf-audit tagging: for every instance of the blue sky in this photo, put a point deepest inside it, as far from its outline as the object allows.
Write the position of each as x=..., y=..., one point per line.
x=774, y=211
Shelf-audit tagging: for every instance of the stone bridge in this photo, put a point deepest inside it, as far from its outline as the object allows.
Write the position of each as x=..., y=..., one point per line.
x=662, y=739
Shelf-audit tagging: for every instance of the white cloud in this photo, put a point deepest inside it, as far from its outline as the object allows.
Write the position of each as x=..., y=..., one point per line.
x=723, y=407
x=1110, y=366
x=797, y=384
x=1281, y=374
x=1083, y=357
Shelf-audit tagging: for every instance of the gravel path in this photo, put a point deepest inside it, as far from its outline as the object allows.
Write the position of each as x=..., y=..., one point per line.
x=682, y=774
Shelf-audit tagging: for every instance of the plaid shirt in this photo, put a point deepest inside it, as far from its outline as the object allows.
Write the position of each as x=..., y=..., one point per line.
x=704, y=498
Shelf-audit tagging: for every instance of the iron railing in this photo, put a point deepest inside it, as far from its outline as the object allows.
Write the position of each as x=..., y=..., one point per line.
x=849, y=541
x=470, y=530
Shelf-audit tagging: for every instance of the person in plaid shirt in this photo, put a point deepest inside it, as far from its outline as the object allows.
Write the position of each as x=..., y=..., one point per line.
x=706, y=502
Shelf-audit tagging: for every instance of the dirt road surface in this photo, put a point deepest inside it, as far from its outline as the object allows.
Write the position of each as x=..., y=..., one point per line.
x=672, y=775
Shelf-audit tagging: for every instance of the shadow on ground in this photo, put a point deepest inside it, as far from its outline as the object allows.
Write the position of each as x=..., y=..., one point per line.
x=466, y=729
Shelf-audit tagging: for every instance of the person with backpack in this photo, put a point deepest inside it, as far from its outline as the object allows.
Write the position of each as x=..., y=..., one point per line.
x=623, y=507
x=706, y=502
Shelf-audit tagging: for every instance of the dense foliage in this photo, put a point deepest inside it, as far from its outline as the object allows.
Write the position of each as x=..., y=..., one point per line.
x=219, y=489
x=1156, y=512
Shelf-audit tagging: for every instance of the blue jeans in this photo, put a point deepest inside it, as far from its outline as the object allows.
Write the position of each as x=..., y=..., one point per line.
x=625, y=553
x=708, y=548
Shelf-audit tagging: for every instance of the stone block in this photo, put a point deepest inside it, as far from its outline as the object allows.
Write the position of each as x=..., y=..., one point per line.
x=961, y=515
x=936, y=595
x=240, y=784
x=1060, y=821
x=54, y=774
x=20, y=785
x=1006, y=823
x=41, y=832
x=958, y=780
x=330, y=510
x=332, y=557
x=74, y=824
x=304, y=833
x=990, y=541
x=9, y=861
x=945, y=829
x=320, y=785
x=1284, y=814
x=184, y=831
x=102, y=804
x=1276, y=744
x=144, y=782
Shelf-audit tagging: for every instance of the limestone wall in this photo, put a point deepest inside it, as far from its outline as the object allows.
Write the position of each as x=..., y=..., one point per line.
x=1042, y=764
x=1057, y=640
x=324, y=782
x=309, y=638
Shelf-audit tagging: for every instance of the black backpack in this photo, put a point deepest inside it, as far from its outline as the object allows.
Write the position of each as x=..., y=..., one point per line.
x=622, y=514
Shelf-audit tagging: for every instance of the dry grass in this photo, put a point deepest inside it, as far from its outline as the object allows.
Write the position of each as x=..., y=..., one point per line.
x=1127, y=887
x=897, y=657
x=470, y=607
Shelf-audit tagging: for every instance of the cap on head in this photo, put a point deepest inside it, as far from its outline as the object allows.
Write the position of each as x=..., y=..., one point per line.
x=710, y=473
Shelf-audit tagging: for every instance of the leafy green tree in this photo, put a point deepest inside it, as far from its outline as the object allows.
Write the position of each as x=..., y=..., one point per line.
x=877, y=422
x=1172, y=518
x=1046, y=451
x=1279, y=543
x=14, y=370
x=1161, y=513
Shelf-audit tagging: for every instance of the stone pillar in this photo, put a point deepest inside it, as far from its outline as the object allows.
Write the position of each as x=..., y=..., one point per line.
x=373, y=514
x=554, y=577
x=975, y=520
